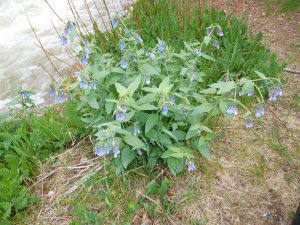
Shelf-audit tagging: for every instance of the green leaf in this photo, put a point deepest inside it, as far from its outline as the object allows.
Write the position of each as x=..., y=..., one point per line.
x=204, y=149
x=121, y=89
x=133, y=141
x=134, y=86
x=127, y=156
x=203, y=108
x=109, y=107
x=209, y=91
x=73, y=34
x=147, y=69
x=169, y=133
x=92, y=100
x=151, y=187
x=146, y=107
x=175, y=165
x=208, y=57
x=248, y=86
x=224, y=87
x=164, y=187
x=207, y=39
x=183, y=71
x=100, y=75
x=261, y=75
x=151, y=122
x=191, y=133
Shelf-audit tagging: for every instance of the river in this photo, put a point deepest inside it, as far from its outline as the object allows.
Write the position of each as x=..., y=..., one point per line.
x=21, y=58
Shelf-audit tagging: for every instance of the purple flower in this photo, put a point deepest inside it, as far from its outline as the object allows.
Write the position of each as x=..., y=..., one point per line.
x=272, y=96
x=161, y=47
x=138, y=40
x=278, y=91
x=84, y=61
x=136, y=131
x=232, y=110
x=69, y=28
x=139, y=152
x=148, y=80
x=101, y=151
x=209, y=31
x=164, y=110
x=120, y=116
x=220, y=32
x=198, y=52
x=64, y=41
x=124, y=64
x=250, y=93
x=249, y=123
x=60, y=99
x=122, y=46
x=116, y=151
x=191, y=166
x=25, y=94
x=216, y=44
x=124, y=108
x=115, y=23
x=52, y=91
x=152, y=56
x=260, y=112
x=83, y=85
x=172, y=100
x=87, y=53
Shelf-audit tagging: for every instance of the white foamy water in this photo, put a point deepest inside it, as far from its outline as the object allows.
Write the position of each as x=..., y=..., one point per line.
x=20, y=58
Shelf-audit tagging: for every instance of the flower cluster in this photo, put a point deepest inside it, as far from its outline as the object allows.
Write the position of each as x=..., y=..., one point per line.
x=69, y=29
x=274, y=93
x=102, y=151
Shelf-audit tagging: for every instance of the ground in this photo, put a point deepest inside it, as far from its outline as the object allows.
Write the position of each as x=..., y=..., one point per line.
x=253, y=178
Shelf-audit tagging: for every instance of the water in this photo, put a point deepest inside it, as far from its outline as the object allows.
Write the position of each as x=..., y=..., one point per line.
x=20, y=58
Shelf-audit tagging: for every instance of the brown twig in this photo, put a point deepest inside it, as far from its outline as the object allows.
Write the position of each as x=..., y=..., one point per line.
x=43, y=47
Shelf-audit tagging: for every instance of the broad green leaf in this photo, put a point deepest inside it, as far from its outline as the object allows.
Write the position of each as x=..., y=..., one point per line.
x=169, y=133
x=151, y=187
x=175, y=165
x=129, y=115
x=127, y=156
x=207, y=39
x=146, y=107
x=204, y=150
x=73, y=34
x=134, y=86
x=224, y=87
x=92, y=100
x=183, y=71
x=133, y=141
x=148, y=69
x=151, y=121
x=209, y=91
x=261, y=75
x=164, y=187
x=203, y=108
x=100, y=75
x=149, y=98
x=208, y=57
x=109, y=107
x=191, y=133
x=180, y=135
x=121, y=89
x=248, y=86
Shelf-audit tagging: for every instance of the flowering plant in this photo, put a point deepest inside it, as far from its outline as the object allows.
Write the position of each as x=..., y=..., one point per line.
x=152, y=103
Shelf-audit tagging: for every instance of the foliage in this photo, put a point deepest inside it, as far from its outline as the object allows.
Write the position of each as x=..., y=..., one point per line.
x=27, y=138
x=153, y=102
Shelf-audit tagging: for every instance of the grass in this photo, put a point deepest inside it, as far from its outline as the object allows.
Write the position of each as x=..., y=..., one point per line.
x=283, y=6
